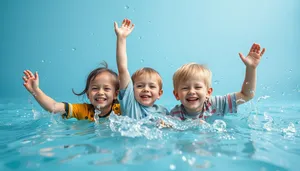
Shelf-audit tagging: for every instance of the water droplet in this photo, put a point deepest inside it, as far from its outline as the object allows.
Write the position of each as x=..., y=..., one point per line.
x=172, y=167
x=219, y=125
x=290, y=70
x=74, y=49
x=277, y=82
x=142, y=60
x=247, y=82
x=282, y=93
x=183, y=158
x=43, y=61
x=126, y=7
x=216, y=82
x=149, y=22
x=140, y=37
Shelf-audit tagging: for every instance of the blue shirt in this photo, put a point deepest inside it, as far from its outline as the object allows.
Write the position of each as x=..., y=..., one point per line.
x=132, y=108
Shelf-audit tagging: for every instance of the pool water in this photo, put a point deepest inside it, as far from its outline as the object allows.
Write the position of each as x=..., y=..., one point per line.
x=263, y=136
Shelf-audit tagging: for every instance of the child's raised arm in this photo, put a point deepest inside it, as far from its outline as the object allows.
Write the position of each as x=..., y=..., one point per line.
x=122, y=32
x=31, y=83
x=249, y=86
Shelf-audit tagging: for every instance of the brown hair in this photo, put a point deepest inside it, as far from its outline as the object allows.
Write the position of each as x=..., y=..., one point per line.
x=149, y=71
x=96, y=72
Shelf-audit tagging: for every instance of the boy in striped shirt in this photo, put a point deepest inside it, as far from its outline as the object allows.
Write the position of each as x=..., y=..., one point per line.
x=192, y=86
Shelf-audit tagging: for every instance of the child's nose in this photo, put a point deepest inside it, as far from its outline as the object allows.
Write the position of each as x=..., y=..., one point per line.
x=192, y=91
x=101, y=91
x=146, y=89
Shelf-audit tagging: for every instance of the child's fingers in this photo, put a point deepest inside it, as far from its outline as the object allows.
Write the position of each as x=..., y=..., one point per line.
x=25, y=79
x=252, y=49
x=132, y=27
x=27, y=74
x=128, y=23
x=257, y=48
x=36, y=75
x=242, y=57
x=262, y=52
x=116, y=25
x=124, y=22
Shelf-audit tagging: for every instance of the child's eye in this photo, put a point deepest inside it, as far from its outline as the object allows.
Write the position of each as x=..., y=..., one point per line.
x=107, y=89
x=94, y=88
x=139, y=86
x=152, y=86
x=184, y=88
x=198, y=87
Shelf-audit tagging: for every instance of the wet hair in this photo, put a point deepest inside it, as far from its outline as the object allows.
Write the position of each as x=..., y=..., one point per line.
x=96, y=72
x=148, y=71
x=187, y=71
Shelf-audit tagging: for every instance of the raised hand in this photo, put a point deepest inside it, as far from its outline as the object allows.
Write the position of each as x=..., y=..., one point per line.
x=31, y=82
x=125, y=29
x=253, y=57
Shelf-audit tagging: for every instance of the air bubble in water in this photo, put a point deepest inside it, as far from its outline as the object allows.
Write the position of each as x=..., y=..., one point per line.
x=142, y=60
x=140, y=37
x=290, y=70
x=74, y=49
x=43, y=61
x=219, y=125
x=126, y=7
x=172, y=167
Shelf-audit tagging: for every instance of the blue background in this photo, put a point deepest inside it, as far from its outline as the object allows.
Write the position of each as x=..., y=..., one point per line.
x=65, y=40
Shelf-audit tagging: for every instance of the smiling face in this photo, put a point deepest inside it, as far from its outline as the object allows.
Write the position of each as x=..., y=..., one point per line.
x=147, y=89
x=192, y=93
x=102, y=91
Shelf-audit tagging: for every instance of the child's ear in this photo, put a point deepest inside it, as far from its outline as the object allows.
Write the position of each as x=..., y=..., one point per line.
x=160, y=93
x=209, y=92
x=176, y=95
x=116, y=94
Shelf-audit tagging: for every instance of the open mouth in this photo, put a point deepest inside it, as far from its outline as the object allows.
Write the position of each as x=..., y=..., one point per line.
x=192, y=99
x=144, y=97
x=100, y=99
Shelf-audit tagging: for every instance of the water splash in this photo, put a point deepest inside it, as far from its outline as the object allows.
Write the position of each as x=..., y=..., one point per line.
x=269, y=124
x=290, y=130
x=135, y=128
x=96, y=115
x=219, y=126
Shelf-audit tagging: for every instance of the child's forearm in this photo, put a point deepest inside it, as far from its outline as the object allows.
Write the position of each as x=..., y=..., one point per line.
x=249, y=86
x=122, y=62
x=47, y=102
x=121, y=55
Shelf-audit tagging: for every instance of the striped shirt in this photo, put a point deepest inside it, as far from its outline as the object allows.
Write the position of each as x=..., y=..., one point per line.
x=216, y=105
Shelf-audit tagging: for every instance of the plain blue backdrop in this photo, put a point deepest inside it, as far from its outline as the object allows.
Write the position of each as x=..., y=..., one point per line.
x=65, y=40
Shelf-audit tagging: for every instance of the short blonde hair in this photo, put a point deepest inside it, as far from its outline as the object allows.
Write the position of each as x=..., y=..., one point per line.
x=186, y=71
x=148, y=71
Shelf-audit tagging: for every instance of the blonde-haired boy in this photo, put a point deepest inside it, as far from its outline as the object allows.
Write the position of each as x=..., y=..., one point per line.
x=192, y=86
